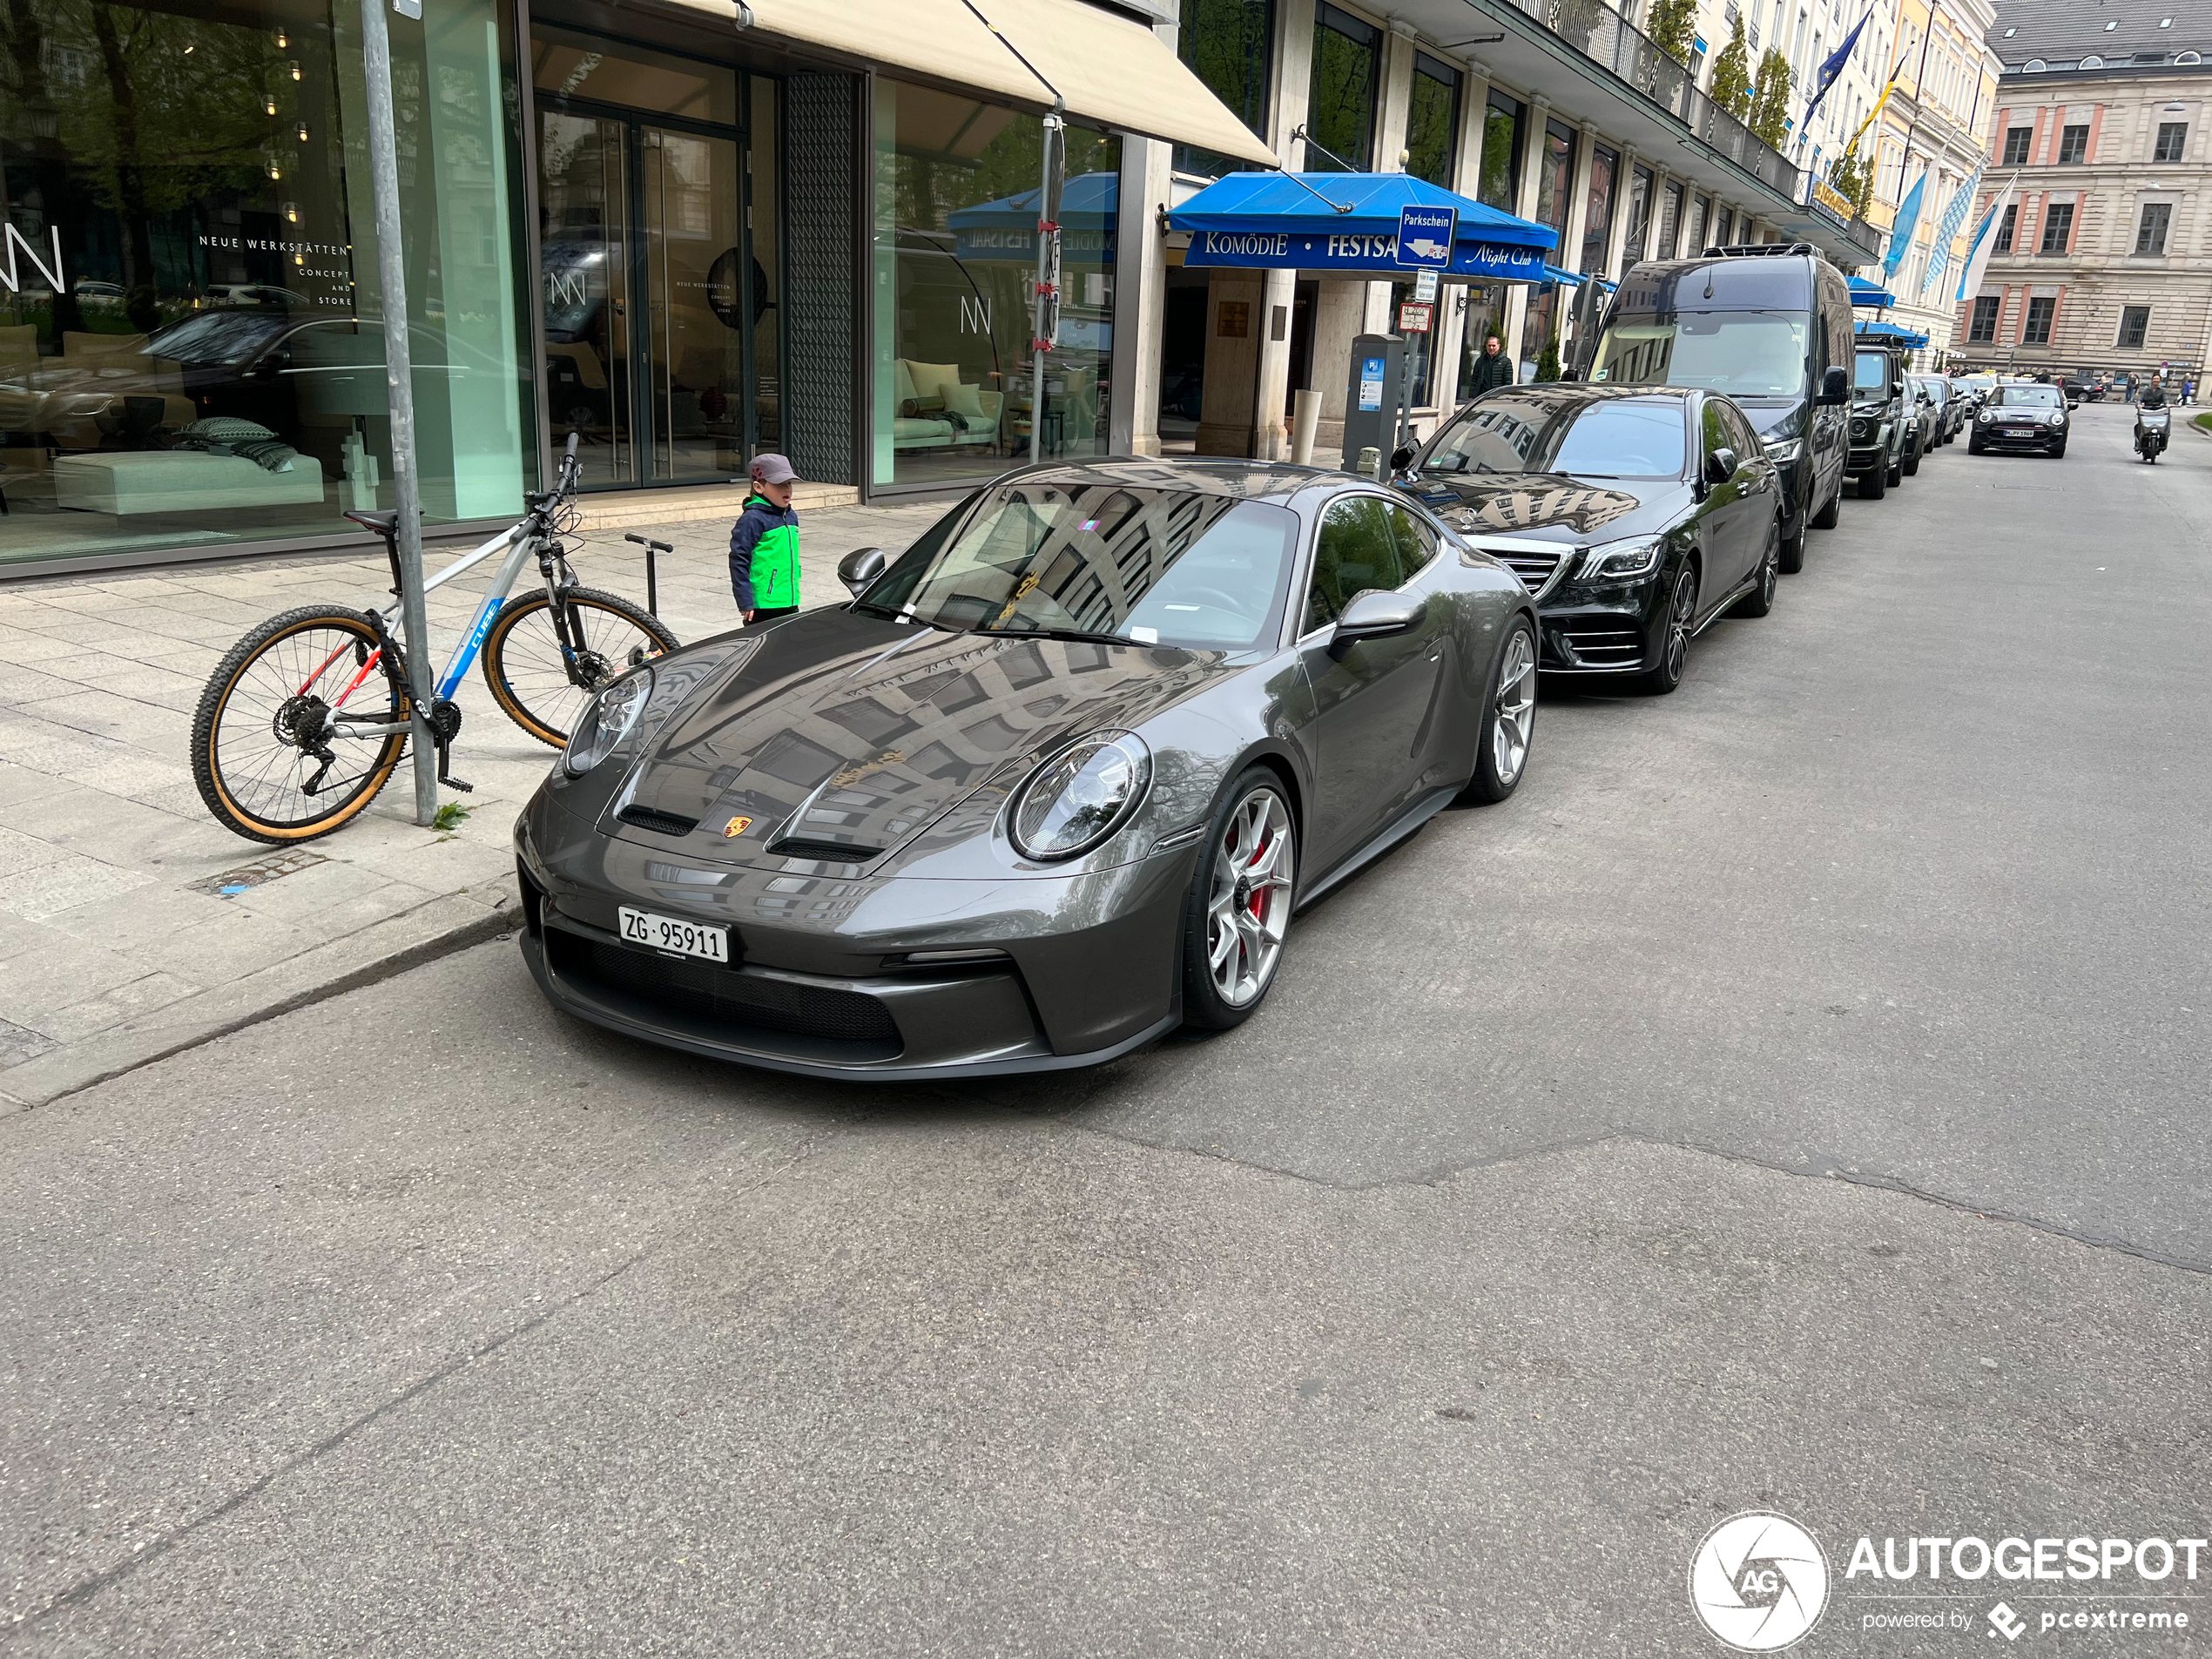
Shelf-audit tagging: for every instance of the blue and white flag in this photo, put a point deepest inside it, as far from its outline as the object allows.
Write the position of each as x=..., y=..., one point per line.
x=1954, y=215
x=1908, y=217
x=1827, y=74
x=1978, y=251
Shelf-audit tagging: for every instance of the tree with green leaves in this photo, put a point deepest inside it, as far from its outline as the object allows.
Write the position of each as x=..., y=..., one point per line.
x=1732, y=74
x=1672, y=25
x=1852, y=179
x=1548, y=359
x=1770, y=117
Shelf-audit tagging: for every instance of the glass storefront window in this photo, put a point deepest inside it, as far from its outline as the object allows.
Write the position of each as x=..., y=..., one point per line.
x=1640, y=183
x=955, y=212
x=1597, y=221
x=1555, y=176
x=1484, y=311
x=1340, y=107
x=190, y=332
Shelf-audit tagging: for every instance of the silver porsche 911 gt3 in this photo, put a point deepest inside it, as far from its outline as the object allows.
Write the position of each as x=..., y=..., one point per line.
x=1055, y=781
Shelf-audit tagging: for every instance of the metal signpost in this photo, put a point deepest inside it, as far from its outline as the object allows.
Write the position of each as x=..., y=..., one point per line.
x=1047, y=332
x=399, y=376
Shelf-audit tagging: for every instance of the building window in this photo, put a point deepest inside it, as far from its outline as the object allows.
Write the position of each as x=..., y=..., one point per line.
x=1639, y=239
x=1433, y=120
x=1555, y=176
x=1597, y=222
x=1981, y=328
x=1701, y=216
x=1502, y=119
x=2134, y=324
x=2150, y=235
x=953, y=381
x=1228, y=44
x=2016, y=142
x=2058, y=226
x=186, y=216
x=2172, y=135
x=2005, y=228
x=1341, y=104
x=2036, y=331
x=2074, y=146
x=1670, y=224
x=1727, y=230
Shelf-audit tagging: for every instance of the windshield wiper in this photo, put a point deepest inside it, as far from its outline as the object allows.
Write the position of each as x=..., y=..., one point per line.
x=1055, y=633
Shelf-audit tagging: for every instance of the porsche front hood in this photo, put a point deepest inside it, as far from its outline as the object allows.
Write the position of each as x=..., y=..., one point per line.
x=846, y=735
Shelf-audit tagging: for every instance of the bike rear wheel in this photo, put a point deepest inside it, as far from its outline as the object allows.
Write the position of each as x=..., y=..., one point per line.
x=268, y=707
x=528, y=676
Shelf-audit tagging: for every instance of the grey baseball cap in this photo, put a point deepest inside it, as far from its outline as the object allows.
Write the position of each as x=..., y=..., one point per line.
x=772, y=469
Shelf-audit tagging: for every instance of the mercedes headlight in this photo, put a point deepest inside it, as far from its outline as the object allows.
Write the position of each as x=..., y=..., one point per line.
x=606, y=721
x=1612, y=561
x=1081, y=796
x=1783, y=451
x=1862, y=429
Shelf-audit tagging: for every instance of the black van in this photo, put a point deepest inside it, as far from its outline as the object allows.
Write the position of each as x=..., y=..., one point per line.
x=1770, y=327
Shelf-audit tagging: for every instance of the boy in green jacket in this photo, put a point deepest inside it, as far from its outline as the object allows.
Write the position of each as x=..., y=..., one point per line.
x=764, y=544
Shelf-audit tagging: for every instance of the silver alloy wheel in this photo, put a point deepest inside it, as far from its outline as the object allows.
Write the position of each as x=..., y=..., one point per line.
x=1680, y=615
x=1249, y=909
x=1516, y=704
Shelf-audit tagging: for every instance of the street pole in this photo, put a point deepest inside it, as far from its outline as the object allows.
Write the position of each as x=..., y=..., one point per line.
x=1046, y=333
x=399, y=379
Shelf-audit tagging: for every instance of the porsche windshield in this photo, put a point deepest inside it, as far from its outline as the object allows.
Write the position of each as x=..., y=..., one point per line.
x=1148, y=566
x=1628, y=437
x=1745, y=354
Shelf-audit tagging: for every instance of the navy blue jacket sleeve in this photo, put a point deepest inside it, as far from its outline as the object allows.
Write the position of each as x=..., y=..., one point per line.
x=745, y=536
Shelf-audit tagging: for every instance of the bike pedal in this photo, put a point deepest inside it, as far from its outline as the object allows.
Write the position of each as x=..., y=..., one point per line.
x=455, y=783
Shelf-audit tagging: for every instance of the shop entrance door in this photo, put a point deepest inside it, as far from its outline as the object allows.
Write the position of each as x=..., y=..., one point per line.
x=660, y=350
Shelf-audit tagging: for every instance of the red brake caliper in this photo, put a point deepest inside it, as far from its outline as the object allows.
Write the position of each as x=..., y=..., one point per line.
x=1258, y=902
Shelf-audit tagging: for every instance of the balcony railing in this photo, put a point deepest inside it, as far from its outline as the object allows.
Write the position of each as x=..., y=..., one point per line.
x=1604, y=36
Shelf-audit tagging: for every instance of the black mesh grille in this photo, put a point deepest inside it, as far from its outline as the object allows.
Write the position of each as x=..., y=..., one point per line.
x=724, y=997
x=659, y=822
x=821, y=113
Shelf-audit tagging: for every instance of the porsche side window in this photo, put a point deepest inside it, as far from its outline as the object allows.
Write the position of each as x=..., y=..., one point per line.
x=1416, y=543
x=1353, y=553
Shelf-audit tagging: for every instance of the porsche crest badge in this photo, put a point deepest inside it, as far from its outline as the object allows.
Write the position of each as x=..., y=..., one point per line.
x=737, y=826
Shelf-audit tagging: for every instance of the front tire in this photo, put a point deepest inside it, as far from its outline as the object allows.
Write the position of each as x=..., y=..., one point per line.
x=1674, y=638
x=1912, y=459
x=1873, y=484
x=1895, y=475
x=1509, y=721
x=1238, y=910
x=1828, y=516
x=528, y=675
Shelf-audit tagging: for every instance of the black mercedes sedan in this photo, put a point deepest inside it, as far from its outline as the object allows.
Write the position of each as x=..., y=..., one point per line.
x=1634, y=516
x=1053, y=783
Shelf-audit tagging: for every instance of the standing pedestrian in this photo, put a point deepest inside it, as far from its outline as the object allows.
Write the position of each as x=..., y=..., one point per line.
x=764, y=544
x=2129, y=381
x=1493, y=368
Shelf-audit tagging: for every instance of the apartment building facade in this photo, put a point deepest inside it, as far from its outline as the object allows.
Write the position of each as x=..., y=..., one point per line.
x=2100, y=259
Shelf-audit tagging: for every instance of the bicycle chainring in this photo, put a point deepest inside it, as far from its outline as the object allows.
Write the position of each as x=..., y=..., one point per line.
x=445, y=719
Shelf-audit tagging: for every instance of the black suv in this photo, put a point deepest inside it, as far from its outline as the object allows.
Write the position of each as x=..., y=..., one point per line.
x=1883, y=423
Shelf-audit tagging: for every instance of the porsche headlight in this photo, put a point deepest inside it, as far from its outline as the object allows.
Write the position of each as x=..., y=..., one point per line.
x=1613, y=561
x=606, y=721
x=1081, y=796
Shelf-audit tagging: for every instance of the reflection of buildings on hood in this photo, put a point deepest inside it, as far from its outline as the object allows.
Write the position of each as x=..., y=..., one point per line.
x=1580, y=507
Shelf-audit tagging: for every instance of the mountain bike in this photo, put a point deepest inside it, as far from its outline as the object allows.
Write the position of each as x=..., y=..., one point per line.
x=309, y=714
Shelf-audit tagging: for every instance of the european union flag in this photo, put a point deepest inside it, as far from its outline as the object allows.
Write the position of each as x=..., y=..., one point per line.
x=1825, y=76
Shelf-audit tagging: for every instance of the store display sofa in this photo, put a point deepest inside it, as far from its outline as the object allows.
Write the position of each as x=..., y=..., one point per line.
x=935, y=394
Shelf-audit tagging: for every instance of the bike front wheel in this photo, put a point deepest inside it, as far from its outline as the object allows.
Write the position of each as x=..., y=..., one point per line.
x=270, y=752
x=528, y=673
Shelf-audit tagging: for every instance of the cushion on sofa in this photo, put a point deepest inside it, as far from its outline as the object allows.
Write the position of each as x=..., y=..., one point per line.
x=966, y=400
x=933, y=380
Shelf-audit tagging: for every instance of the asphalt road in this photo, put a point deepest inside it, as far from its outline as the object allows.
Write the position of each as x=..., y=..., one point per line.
x=1795, y=1098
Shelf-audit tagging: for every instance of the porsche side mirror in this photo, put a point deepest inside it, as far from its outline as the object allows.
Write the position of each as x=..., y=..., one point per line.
x=1376, y=616
x=1402, y=457
x=1720, y=466
x=859, y=568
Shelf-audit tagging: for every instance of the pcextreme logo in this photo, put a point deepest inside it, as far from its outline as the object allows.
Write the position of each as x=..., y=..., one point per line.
x=1759, y=1582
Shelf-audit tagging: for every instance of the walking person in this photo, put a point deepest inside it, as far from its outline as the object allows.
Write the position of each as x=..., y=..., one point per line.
x=1492, y=370
x=764, y=544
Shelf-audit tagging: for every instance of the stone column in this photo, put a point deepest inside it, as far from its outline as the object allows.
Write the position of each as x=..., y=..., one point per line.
x=1140, y=297
x=1532, y=160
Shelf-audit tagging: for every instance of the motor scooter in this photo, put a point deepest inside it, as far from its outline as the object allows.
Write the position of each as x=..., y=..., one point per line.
x=2150, y=433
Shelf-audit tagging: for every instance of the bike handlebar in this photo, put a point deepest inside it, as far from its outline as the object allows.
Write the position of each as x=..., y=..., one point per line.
x=647, y=541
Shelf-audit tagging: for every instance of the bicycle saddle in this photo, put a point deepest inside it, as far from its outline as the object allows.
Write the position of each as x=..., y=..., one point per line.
x=382, y=521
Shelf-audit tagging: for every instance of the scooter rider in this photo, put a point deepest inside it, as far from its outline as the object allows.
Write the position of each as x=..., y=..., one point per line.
x=2150, y=436
x=2153, y=396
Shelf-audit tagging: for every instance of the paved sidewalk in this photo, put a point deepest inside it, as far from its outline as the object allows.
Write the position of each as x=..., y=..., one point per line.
x=132, y=925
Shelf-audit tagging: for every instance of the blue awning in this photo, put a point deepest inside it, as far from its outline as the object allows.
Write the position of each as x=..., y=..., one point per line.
x=1289, y=221
x=1892, y=331
x=1007, y=229
x=1863, y=293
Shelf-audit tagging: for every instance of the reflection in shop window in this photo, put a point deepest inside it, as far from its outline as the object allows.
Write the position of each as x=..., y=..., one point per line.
x=190, y=343
x=955, y=186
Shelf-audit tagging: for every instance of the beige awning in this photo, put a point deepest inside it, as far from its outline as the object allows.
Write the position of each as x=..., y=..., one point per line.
x=1106, y=69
